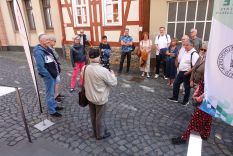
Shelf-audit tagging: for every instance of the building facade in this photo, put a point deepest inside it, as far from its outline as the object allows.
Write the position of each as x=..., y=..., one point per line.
x=103, y=17
x=40, y=16
x=65, y=18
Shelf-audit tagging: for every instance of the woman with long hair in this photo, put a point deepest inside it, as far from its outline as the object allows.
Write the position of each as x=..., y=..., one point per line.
x=171, y=54
x=145, y=51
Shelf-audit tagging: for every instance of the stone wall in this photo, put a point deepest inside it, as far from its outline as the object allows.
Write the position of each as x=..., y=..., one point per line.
x=115, y=57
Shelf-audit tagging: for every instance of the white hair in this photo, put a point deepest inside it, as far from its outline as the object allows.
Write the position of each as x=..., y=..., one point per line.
x=185, y=37
x=52, y=38
x=205, y=45
x=42, y=36
x=193, y=30
x=189, y=42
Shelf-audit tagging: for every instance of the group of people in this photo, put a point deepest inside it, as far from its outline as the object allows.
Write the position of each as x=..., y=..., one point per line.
x=181, y=64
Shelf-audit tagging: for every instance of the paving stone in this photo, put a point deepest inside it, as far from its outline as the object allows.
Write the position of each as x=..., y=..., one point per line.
x=141, y=122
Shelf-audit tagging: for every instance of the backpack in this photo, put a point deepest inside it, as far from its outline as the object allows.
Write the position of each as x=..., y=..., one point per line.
x=165, y=35
x=106, y=54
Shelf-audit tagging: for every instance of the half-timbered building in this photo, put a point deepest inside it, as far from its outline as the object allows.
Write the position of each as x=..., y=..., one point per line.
x=103, y=17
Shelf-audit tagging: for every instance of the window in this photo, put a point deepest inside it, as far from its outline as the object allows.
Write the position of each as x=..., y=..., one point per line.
x=11, y=8
x=81, y=12
x=112, y=12
x=30, y=16
x=183, y=16
x=47, y=14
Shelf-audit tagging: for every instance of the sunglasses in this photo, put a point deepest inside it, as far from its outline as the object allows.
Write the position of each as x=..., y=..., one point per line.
x=203, y=49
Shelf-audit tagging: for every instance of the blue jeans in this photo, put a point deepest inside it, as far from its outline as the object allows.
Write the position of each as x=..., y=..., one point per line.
x=50, y=91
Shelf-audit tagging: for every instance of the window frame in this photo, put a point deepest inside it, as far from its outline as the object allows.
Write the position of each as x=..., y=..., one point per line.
x=75, y=16
x=13, y=17
x=28, y=11
x=46, y=18
x=104, y=4
x=185, y=22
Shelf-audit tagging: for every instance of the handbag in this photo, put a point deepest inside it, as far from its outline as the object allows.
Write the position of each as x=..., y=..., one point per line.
x=83, y=101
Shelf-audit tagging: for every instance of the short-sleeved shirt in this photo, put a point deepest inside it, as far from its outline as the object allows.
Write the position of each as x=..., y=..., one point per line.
x=162, y=41
x=181, y=53
x=185, y=62
x=126, y=39
x=197, y=44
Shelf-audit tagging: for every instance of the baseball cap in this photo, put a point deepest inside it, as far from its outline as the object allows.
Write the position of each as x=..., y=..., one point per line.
x=94, y=53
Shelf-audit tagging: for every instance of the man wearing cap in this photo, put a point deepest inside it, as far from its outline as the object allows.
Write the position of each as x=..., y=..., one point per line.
x=97, y=83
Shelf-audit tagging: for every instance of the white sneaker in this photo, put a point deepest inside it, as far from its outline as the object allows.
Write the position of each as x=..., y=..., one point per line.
x=143, y=74
x=148, y=76
x=165, y=77
x=156, y=76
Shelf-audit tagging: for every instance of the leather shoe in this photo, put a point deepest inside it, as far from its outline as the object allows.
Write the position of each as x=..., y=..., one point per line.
x=56, y=114
x=106, y=135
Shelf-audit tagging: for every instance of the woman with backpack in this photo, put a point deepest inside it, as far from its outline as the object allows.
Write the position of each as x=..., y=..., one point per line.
x=78, y=58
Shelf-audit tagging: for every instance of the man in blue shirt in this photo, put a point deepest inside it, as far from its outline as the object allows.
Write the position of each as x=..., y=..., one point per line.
x=126, y=48
x=48, y=68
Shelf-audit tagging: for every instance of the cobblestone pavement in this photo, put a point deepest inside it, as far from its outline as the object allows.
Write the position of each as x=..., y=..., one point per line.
x=141, y=120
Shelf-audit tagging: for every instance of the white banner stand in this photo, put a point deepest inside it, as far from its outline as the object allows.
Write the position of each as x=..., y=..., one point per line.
x=195, y=145
x=43, y=125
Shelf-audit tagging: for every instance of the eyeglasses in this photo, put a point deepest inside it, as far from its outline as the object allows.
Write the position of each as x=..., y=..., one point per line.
x=203, y=49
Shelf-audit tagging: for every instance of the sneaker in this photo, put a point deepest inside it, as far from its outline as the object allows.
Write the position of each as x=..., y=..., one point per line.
x=185, y=103
x=143, y=74
x=59, y=108
x=72, y=90
x=173, y=99
x=148, y=76
x=56, y=114
x=165, y=77
x=178, y=141
x=156, y=76
x=61, y=96
x=58, y=100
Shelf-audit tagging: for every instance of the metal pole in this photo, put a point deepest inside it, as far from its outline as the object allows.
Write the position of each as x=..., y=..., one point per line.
x=23, y=114
x=38, y=94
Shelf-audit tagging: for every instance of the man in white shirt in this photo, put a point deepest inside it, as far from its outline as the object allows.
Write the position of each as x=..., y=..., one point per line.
x=162, y=42
x=98, y=82
x=84, y=39
x=187, y=61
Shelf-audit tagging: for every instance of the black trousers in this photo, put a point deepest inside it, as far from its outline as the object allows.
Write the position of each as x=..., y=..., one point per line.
x=181, y=78
x=160, y=60
x=123, y=56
